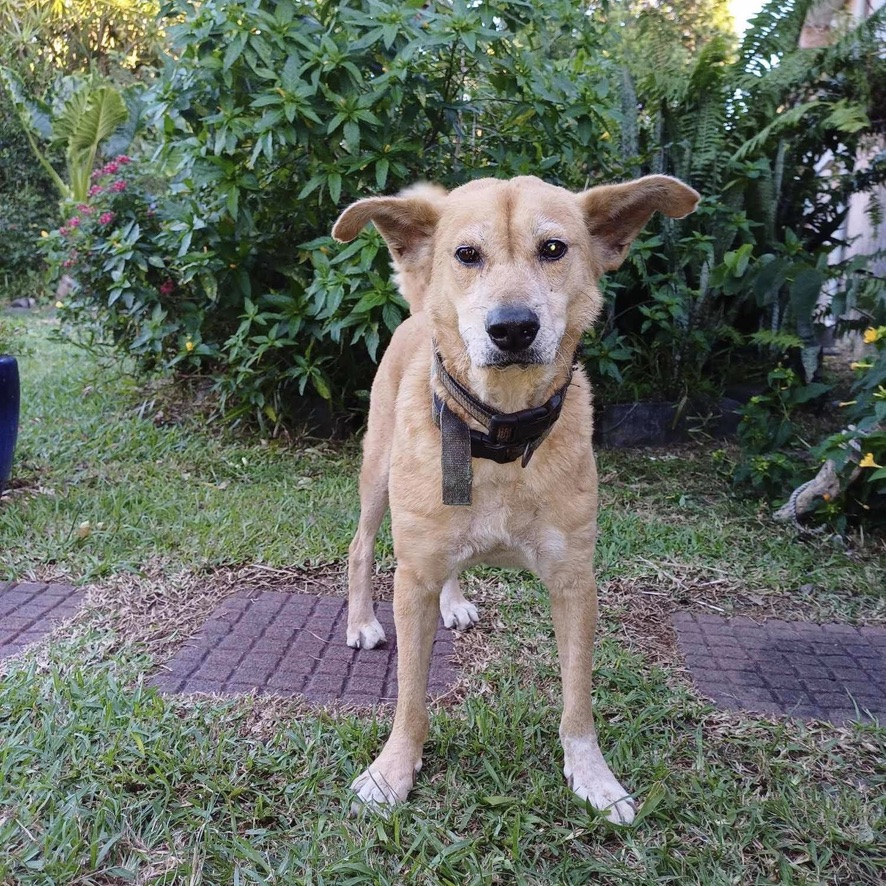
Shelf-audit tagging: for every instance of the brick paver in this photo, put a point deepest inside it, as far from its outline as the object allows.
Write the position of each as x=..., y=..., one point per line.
x=801, y=669
x=294, y=644
x=30, y=610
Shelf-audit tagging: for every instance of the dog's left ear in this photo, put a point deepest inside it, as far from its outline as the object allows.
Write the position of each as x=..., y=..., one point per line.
x=615, y=214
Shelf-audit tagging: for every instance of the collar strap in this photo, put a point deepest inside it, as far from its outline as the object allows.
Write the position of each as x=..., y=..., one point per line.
x=508, y=435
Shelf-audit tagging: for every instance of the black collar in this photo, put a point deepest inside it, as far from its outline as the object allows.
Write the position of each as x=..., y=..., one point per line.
x=508, y=435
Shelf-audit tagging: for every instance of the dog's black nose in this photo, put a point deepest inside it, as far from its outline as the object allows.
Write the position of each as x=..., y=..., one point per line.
x=512, y=328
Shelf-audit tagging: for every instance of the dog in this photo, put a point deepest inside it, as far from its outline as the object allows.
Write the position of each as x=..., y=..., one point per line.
x=479, y=433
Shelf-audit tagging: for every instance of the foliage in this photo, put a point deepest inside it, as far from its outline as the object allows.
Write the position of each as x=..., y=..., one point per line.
x=12, y=338
x=90, y=113
x=52, y=50
x=27, y=205
x=770, y=134
x=110, y=245
x=117, y=39
x=771, y=448
x=859, y=451
x=275, y=115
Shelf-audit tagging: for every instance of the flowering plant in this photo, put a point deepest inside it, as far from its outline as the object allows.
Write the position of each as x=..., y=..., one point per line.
x=113, y=247
x=859, y=451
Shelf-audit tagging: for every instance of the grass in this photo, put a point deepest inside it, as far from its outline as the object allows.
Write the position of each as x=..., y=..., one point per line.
x=104, y=781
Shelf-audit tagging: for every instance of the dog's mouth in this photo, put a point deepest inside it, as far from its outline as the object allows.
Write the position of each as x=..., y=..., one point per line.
x=502, y=359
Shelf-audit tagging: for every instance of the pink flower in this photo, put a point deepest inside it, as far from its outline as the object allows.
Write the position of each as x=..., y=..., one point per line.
x=123, y=159
x=111, y=168
x=118, y=185
x=84, y=209
x=64, y=230
x=167, y=287
x=106, y=218
x=95, y=190
x=74, y=222
x=97, y=173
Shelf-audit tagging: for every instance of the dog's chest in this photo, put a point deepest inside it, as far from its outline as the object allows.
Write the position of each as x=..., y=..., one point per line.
x=507, y=526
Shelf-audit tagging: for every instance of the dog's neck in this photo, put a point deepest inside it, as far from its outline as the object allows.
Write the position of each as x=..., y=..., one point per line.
x=508, y=389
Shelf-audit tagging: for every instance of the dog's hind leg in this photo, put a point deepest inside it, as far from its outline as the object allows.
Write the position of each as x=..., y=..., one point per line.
x=364, y=630
x=457, y=612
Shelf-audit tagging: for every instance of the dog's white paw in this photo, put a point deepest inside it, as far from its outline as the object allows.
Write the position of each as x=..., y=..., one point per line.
x=458, y=614
x=381, y=787
x=366, y=636
x=588, y=775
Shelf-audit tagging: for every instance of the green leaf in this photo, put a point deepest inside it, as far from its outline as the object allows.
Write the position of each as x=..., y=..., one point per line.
x=334, y=185
x=381, y=172
x=805, y=291
x=289, y=77
x=321, y=387
x=234, y=51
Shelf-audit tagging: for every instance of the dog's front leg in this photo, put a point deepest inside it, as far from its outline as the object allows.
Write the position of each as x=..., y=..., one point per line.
x=389, y=779
x=573, y=595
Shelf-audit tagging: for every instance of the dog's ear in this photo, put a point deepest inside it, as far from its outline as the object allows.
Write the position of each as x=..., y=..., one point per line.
x=406, y=222
x=615, y=214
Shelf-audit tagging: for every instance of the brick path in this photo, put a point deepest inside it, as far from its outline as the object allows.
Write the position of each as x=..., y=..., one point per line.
x=796, y=668
x=294, y=644
x=29, y=611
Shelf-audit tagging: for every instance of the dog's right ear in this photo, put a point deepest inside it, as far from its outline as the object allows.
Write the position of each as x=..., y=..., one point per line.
x=406, y=222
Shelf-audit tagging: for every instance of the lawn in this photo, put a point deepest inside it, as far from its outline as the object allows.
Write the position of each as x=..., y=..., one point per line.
x=122, y=488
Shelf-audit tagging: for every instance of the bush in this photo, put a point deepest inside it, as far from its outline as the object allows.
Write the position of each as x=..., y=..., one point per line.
x=859, y=451
x=772, y=453
x=27, y=206
x=111, y=245
x=274, y=116
x=771, y=135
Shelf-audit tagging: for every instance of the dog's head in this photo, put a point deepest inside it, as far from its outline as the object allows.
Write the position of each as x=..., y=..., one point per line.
x=512, y=267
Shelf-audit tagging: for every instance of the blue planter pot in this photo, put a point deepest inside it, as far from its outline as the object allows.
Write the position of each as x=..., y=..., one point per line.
x=10, y=404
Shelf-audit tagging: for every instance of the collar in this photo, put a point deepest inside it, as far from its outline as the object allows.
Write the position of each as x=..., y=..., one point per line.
x=507, y=436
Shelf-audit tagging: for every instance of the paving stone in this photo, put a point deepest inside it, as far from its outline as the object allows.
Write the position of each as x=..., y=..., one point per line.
x=796, y=668
x=294, y=644
x=30, y=610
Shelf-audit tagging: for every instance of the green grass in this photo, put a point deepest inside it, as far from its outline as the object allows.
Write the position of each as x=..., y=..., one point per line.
x=103, y=781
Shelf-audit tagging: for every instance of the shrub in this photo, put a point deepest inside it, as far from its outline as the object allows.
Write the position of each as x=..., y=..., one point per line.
x=771, y=135
x=27, y=206
x=859, y=451
x=275, y=115
x=111, y=245
x=772, y=453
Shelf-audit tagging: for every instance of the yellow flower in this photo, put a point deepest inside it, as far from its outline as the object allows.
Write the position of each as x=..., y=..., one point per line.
x=868, y=461
x=44, y=233
x=59, y=304
x=871, y=335
x=189, y=346
x=860, y=364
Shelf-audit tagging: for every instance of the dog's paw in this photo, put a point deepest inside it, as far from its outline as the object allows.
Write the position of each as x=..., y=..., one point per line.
x=588, y=775
x=366, y=636
x=381, y=787
x=607, y=796
x=459, y=614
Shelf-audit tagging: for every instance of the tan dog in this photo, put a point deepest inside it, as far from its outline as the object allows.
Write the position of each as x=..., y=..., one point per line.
x=502, y=280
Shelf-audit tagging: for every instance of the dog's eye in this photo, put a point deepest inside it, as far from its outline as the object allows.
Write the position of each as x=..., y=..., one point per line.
x=467, y=255
x=552, y=250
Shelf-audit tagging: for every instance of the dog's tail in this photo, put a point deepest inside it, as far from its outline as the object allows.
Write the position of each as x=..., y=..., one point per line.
x=413, y=275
